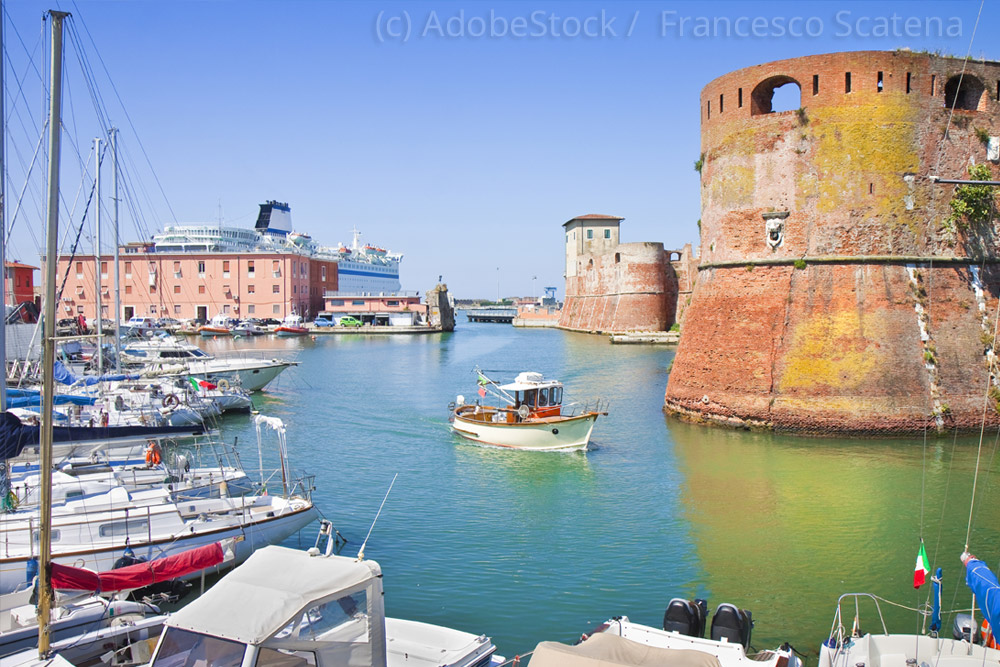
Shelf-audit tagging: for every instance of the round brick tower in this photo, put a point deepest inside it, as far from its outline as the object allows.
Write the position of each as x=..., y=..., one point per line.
x=837, y=293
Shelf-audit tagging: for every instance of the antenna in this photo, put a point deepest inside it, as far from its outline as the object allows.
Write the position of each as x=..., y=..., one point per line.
x=361, y=552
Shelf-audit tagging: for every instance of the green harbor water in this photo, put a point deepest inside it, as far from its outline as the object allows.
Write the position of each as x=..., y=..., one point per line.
x=528, y=546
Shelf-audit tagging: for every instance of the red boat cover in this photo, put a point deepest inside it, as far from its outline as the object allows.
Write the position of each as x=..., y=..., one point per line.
x=136, y=576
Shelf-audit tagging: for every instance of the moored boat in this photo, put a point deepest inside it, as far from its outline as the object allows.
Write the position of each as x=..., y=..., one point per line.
x=291, y=326
x=530, y=415
x=218, y=326
x=682, y=641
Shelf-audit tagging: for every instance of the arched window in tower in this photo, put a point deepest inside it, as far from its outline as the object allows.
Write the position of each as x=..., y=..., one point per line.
x=963, y=92
x=776, y=94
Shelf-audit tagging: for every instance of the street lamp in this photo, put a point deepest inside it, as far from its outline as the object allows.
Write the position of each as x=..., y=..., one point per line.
x=498, y=285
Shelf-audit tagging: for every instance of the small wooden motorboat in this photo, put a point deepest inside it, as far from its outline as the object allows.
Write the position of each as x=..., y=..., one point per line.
x=291, y=326
x=530, y=415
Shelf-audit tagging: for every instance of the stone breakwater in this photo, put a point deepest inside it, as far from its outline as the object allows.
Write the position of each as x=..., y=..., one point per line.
x=837, y=293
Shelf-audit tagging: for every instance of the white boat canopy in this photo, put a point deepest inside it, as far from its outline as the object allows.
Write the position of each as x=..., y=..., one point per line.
x=273, y=588
x=528, y=381
x=607, y=650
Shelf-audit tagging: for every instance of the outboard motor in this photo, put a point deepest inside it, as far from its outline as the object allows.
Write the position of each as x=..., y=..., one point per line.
x=732, y=624
x=964, y=628
x=686, y=617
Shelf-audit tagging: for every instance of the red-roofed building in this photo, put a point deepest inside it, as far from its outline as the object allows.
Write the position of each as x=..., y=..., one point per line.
x=19, y=283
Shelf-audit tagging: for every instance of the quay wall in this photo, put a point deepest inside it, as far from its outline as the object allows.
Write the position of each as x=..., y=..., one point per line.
x=835, y=293
x=622, y=289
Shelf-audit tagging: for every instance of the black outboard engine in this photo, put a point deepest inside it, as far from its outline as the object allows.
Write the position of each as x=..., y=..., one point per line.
x=686, y=617
x=732, y=624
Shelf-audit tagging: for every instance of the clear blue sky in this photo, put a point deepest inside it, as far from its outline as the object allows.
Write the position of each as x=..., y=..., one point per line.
x=464, y=153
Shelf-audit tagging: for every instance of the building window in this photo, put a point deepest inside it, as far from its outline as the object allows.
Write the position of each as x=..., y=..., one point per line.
x=250, y=289
x=128, y=269
x=295, y=289
x=337, y=302
x=275, y=309
x=275, y=289
x=392, y=303
x=275, y=269
x=79, y=309
x=152, y=310
x=177, y=289
x=225, y=308
x=322, y=273
x=250, y=269
x=607, y=233
x=357, y=302
x=79, y=269
x=104, y=269
x=250, y=309
x=128, y=289
x=177, y=310
x=177, y=267
x=201, y=289
x=201, y=269
x=152, y=289
x=590, y=233
x=225, y=268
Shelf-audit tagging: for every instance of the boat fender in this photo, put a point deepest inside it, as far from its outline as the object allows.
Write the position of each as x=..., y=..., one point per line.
x=986, y=633
x=222, y=384
x=555, y=431
x=171, y=400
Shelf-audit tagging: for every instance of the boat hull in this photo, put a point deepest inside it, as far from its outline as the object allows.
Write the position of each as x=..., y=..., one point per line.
x=212, y=332
x=291, y=331
x=553, y=434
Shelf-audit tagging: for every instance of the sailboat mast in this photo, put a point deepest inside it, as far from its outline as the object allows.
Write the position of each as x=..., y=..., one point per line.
x=97, y=258
x=49, y=344
x=3, y=223
x=118, y=298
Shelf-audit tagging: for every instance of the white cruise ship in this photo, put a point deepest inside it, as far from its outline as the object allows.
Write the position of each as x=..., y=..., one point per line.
x=361, y=269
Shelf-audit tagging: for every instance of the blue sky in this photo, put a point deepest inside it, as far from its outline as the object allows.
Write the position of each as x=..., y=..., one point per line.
x=466, y=153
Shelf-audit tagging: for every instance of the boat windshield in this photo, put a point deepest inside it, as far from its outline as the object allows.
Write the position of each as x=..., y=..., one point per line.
x=198, y=353
x=183, y=648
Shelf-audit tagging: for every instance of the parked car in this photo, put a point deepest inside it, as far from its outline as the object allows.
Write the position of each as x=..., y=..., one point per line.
x=322, y=322
x=349, y=321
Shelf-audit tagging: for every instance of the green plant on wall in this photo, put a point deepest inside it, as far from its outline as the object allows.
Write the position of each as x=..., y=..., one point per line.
x=974, y=204
x=699, y=163
x=983, y=136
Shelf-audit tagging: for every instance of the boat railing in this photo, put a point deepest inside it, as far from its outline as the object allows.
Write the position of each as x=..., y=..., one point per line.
x=837, y=630
x=599, y=406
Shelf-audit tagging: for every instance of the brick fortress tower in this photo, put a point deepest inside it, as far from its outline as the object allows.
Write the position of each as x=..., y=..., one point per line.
x=836, y=292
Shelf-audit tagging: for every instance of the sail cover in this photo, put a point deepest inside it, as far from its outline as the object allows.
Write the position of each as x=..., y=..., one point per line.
x=65, y=577
x=604, y=650
x=63, y=375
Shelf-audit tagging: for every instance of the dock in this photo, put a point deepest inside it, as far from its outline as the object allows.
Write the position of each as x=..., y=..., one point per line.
x=646, y=338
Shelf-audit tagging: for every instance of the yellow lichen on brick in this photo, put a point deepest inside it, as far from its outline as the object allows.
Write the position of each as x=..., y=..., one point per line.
x=733, y=187
x=861, y=155
x=831, y=351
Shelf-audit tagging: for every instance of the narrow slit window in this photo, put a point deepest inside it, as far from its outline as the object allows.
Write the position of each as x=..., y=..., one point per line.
x=815, y=84
x=871, y=188
x=739, y=96
x=881, y=83
x=998, y=90
x=708, y=108
x=847, y=82
x=909, y=78
x=721, y=104
x=933, y=82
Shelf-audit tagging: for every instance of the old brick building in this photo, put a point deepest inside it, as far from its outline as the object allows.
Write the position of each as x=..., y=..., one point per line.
x=613, y=286
x=836, y=291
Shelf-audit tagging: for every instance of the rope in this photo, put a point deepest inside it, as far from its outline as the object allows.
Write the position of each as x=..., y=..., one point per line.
x=961, y=77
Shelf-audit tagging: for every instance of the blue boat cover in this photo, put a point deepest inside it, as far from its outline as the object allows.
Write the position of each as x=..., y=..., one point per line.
x=62, y=375
x=16, y=435
x=986, y=588
x=32, y=398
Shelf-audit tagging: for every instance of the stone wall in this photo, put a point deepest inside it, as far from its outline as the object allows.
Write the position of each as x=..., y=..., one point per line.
x=835, y=295
x=439, y=310
x=623, y=289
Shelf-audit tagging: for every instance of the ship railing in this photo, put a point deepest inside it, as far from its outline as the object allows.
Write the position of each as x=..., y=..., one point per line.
x=599, y=406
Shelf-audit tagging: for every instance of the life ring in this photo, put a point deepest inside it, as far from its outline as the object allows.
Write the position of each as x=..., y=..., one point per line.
x=987, y=635
x=171, y=400
x=222, y=384
x=153, y=456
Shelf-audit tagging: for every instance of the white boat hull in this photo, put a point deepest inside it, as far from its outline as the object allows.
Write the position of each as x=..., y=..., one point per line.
x=254, y=376
x=553, y=434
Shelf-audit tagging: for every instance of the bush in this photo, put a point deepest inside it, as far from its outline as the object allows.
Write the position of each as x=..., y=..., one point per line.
x=800, y=264
x=974, y=204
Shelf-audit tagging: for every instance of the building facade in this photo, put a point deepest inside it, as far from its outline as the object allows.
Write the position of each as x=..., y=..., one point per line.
x=613, y=286
x=19, y=283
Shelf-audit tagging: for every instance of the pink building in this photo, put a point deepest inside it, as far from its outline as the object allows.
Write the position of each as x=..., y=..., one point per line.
x=198, y=285
x=391, y=309
x=19, y=283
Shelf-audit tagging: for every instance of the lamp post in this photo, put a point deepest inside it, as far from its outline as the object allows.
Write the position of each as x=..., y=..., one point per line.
x=498, y=285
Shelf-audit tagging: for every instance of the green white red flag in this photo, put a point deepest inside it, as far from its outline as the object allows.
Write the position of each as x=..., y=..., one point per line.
x=922, y=568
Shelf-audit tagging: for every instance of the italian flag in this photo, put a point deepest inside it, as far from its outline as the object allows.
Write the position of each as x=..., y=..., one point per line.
x=201, y=384
x=922, y=569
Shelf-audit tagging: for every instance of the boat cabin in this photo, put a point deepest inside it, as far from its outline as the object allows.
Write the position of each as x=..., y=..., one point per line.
x=543, y=398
